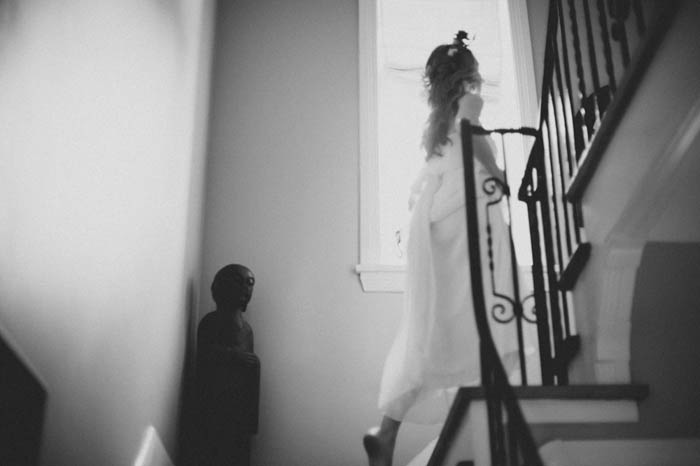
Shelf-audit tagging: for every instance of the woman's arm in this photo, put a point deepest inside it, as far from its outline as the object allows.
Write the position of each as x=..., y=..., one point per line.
x=470, y=106
x=483, y=151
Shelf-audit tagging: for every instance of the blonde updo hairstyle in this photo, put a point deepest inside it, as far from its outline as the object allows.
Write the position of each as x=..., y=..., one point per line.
x=450, y=70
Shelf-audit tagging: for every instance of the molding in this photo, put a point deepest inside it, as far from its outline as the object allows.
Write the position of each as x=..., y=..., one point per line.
x=523, y=61
x=368, y=160
x=614, y=321
x=377, y=278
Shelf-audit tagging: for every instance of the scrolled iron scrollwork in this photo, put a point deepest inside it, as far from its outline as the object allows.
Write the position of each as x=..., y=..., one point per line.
x=532, y=318
x=493, y=185
x=500, y=312
x=506, y=311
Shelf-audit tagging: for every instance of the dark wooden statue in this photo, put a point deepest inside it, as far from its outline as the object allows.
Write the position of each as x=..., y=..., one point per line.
x=228, y=373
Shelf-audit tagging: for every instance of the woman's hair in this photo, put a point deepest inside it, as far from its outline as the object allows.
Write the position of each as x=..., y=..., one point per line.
x=448, y=66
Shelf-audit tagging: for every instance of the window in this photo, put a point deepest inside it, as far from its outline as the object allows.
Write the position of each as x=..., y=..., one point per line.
x=396, y=37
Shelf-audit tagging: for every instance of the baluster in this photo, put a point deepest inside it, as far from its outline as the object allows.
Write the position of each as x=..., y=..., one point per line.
x=577, y=51
x=560, y=204
x=493, y=403
x=533, y=195
x=499, y=425
x=639, y=16
x=553, y=250
x=556, y=173
x=619, y=11
x=581, y=133
x=598, y=112
x=568, y=112
x=513, y=457
x=517, y=304
x=561, y=213
x=603, y=20
x=565, y=175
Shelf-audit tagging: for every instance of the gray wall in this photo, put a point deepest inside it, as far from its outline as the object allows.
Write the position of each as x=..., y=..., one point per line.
x=101, y=173
x=283, y=198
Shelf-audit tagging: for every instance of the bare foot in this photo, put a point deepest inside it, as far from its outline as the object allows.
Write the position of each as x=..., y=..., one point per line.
x=379, y=451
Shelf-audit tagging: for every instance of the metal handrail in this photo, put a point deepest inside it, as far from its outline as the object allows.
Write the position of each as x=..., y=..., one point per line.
x=511, y=440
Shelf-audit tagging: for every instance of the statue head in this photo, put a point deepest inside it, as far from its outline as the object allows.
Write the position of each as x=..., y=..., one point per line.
x=232, y=287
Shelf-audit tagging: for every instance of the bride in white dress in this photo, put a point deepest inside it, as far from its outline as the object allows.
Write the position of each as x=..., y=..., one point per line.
x=436, y=348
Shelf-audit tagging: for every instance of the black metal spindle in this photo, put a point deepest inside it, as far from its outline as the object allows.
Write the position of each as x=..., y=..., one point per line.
x=559, y=210
x=498, y=429
x=607, y=50
x=555, y=175
x=568, y=100
x=513, y=445
x=592, y=57
x=563, y=125
x=639, y=16
x=531, y=194
x=578, y=58
x=574, y=134
x=562, y=130
x=619, y=11
x=581, y=132
x=559, y=203
x=552, y=249
x=541, y=246
x=500, y=397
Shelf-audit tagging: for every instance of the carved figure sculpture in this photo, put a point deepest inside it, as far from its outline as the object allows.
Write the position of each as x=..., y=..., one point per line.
x=228, y=372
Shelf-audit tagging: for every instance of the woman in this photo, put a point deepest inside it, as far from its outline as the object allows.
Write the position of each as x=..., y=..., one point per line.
x=436, y=349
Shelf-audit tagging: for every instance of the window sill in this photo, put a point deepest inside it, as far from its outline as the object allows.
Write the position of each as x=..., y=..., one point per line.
x=377, y=278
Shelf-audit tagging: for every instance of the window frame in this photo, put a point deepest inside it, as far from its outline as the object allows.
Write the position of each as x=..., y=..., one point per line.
x=375, y=276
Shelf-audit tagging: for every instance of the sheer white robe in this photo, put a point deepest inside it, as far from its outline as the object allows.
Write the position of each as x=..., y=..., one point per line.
x=436, y=348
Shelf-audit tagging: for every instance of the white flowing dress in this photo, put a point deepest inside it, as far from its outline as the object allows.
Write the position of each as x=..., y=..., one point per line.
x=436, y=348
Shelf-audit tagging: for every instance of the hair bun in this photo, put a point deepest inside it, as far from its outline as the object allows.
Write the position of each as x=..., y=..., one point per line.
x=461, y=38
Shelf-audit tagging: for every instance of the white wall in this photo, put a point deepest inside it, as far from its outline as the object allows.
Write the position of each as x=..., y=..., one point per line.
x=282, y=198
x=538, y=11
x=100, y=181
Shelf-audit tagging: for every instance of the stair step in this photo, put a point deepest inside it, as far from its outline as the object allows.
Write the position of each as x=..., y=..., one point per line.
x=635, y=392
x=637, y=452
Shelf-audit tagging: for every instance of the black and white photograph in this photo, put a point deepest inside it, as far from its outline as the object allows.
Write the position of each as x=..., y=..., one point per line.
x=349, y=233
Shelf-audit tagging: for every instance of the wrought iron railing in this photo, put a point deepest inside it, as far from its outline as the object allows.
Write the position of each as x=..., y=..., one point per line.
x=511, y=442
x=596, y=52
x=587, y=60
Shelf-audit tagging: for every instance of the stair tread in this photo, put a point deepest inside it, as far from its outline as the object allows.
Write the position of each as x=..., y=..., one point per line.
x=636, y=392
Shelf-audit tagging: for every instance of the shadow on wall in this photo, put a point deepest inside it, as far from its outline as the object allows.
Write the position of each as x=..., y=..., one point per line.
x=665, y=353
x=665, y=335
x=185, y=454
x=22, y=406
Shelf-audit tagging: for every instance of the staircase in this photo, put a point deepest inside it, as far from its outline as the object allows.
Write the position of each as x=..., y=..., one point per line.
x=613, y=190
